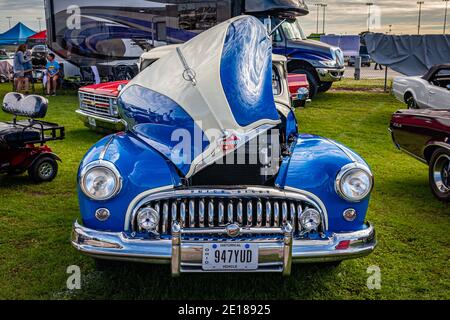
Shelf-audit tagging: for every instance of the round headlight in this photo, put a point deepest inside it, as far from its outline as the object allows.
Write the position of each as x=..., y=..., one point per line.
x=354, y=182
x=310, y=220
x=100, y=181
x=148, y=219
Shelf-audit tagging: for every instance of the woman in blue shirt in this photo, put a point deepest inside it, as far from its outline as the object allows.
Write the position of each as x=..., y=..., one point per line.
x=20, y=62
x=52, y=69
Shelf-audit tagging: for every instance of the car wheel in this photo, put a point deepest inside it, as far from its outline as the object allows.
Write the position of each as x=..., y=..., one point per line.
x=312, y=80
x=411, y=102
x=325, y=86
x=43, y=170
x=439, y=174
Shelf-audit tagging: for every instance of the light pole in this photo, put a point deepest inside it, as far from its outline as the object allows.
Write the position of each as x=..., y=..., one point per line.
x=445, y=17
x=420, y=3
x=9, y=21
x=39, y=20
x=324, y=10
x=318, y=5
x=369, y=4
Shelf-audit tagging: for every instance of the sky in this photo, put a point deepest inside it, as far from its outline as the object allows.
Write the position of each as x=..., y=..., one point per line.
x=342, y=17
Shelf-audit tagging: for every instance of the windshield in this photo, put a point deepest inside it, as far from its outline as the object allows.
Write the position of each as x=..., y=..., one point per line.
x=292, y=30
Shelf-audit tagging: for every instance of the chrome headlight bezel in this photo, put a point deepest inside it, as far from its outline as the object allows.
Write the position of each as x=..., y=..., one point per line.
x=344, y=172
x=105, y=165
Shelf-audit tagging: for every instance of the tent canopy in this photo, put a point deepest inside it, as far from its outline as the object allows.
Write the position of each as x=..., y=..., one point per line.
x=39, y=36
x=16, y=35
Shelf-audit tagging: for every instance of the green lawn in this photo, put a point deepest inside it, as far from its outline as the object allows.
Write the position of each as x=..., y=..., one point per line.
x=413, y=228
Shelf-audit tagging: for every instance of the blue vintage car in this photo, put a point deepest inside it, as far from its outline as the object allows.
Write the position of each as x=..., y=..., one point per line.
x=211, y=174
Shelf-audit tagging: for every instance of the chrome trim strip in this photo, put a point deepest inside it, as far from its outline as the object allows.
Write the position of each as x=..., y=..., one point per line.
x=221, y=214
x=211, y=212
x=201, y=213
x=249, y=213
x=105, y=148
x=240, y=209
x=191, y=214
x=259, y=213
x=230, y=212
x=109, y=120
x=276, y=214
x=165, y=222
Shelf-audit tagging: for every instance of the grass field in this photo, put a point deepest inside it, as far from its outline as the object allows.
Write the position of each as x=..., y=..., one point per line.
x=413, y=228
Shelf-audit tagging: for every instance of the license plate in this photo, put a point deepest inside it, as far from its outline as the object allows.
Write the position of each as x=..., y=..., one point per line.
x=92, y=122
x=230, y=256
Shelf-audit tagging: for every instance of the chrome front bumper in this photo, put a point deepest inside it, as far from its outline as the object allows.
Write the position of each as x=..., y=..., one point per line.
x=330, y=75
x=103, y=123
x=184, y=251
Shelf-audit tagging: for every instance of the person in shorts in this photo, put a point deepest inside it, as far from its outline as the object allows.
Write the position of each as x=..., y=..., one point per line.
x=52, y=70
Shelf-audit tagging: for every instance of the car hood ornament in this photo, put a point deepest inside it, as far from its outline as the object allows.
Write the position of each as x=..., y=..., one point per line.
x=221, y=80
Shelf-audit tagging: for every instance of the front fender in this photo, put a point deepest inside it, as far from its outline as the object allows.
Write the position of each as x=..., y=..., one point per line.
x=313, y=166
x=141, y=168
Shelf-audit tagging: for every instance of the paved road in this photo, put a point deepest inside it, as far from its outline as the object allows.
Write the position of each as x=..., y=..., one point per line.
x=370, y=73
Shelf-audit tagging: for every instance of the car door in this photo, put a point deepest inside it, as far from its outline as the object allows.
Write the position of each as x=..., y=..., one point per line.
x=439, y=95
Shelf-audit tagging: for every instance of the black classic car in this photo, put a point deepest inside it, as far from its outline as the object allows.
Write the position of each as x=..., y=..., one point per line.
x=425, y=135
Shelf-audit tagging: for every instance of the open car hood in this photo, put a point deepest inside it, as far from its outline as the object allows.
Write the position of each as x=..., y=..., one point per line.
x=207, y=97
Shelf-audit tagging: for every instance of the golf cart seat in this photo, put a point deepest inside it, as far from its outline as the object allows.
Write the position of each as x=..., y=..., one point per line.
x=14, y=136
x=17, y=134
x=32, y=106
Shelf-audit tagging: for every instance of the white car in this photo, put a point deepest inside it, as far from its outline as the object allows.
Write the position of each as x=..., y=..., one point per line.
x=430, y=91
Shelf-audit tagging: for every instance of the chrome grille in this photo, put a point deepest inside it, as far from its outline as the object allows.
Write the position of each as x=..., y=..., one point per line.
x=96, y=103
x=201, y=208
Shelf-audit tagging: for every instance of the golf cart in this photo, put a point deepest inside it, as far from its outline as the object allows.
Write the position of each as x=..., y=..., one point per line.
x=23, y=143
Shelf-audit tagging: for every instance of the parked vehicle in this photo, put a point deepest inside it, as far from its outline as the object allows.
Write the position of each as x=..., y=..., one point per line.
x=23, y=143
x=168, y=191
x=98, y=103
x=366, y=61
x=39, y=56
x=3, y=55
x=429, y=91
x=425, y=135
x=124, y=33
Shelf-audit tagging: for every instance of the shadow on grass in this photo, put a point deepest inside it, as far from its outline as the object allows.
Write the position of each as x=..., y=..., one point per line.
x=142, y=281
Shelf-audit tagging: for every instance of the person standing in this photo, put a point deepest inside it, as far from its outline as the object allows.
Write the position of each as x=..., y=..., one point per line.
x=377, y=65
x=19, y=64
x=52, y=69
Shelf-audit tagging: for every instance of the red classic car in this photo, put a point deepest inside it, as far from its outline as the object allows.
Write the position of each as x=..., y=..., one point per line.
x=98, y=102
x=425, y=135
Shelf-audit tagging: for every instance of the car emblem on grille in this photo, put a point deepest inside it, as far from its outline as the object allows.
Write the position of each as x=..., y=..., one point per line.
x=233, y=230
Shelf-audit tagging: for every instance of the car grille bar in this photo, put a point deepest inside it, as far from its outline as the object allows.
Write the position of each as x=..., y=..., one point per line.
x=203, y=209
x=96, y=103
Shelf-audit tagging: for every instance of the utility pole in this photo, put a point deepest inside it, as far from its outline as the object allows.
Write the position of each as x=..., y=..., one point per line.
x=324, y=10
x=9, y=20
x=390, y=29
x=369, y=4
x=420, y=3
x=445, y=17
x=318, y=5
x=39, y=20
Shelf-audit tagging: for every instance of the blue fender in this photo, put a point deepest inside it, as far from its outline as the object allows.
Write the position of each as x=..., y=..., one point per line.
x=141, y=167
x=313, y=166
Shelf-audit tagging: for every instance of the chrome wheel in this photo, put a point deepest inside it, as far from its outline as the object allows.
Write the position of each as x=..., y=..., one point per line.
x=441, y=173
x=45, y=170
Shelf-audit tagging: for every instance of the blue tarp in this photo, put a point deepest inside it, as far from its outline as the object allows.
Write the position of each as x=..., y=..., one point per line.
x=349, y=44
x=16, y=35
x=411, y=55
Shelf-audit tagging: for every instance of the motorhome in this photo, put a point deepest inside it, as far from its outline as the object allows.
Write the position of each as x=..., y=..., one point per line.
x=113, y=35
